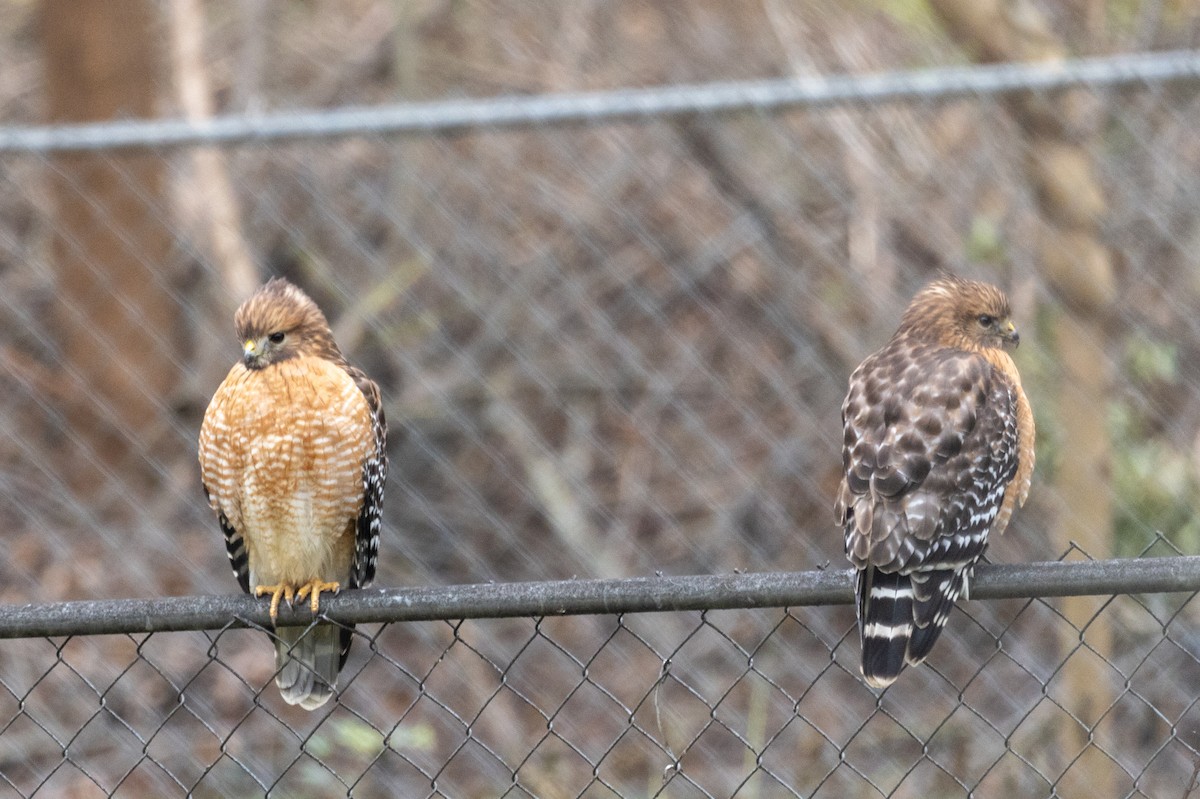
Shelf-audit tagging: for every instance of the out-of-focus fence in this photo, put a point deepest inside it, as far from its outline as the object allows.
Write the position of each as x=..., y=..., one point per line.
x=678, y=689
x=613, y=330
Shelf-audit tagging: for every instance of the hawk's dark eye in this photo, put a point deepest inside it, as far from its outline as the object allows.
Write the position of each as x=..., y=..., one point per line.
x=984, y=321
x=276, y=338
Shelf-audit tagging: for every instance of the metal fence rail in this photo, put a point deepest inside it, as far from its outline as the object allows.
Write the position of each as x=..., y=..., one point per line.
x=485, y=691
x=457, y=116
x=579, y=597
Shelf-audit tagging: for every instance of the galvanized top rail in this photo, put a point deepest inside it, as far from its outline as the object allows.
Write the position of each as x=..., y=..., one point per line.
x=577, y=597
x=621, y=105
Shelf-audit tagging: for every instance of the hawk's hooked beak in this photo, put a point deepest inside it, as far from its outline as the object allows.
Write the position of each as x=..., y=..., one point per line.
x=1011, y=336
x=251, y=349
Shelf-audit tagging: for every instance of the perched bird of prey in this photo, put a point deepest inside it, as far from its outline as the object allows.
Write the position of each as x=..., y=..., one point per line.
x=293, y=459
x=936, y=453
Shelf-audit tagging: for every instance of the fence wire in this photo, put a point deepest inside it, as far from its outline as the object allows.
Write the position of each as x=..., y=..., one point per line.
x=613, y=328
x=715, y=702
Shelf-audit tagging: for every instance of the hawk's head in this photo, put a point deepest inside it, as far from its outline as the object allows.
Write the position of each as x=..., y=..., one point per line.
x=279, y=322
x=961, y=313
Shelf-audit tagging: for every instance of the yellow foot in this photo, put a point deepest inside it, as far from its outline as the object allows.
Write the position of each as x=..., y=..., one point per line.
x=283, y=590
x=315, y=587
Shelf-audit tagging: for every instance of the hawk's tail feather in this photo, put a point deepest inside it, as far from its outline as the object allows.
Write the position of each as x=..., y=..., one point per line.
x=307, y=662
x=885, y=603
x=900, y=617
x=934, y=595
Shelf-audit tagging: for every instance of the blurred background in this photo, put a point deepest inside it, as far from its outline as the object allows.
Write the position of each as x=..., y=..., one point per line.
x=609, y=349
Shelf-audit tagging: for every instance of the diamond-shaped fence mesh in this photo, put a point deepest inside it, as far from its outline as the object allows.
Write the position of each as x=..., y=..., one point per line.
x=719, y=702
x=612, y=307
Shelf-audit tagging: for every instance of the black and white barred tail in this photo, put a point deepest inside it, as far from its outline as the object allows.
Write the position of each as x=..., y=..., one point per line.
x=900, y=617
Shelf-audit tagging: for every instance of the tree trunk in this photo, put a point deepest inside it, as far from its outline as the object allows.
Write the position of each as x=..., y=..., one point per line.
x=116, y=315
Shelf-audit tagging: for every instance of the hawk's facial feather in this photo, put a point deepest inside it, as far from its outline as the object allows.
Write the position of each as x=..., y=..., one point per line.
x=279, y=322
x=964, y=314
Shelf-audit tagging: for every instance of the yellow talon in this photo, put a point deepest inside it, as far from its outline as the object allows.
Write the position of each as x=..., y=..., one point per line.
x=315, y=587
x=282, y=590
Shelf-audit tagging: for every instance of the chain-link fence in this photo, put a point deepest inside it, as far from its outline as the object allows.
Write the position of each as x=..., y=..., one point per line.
x=613, y=328
x=478, y=691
